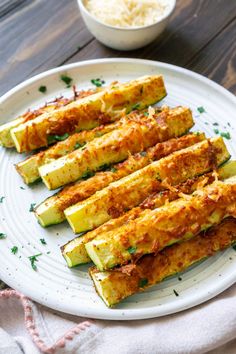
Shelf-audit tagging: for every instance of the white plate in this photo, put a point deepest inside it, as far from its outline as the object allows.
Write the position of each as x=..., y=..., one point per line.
x=71, y=291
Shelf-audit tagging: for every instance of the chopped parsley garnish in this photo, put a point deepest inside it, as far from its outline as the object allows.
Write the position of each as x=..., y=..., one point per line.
x=1, y=199
x=32, y=206
x=53, y=138
x=43, y=241
x=146, y=114
x=42, y=89
x=234, y=246
x=66, y=79
x=135, y=106
x=179, y=278
x=201, y=109
x=22, y=188
x=79, y=145
x=226, y=135
x=48, y=252
x=34, y=259
x=14, y=249
x=98, y=82
x=196, y=133
x=175, y=292
x=143, y=153
x=143, y=282
x=2, y=236
x=105, y=167
x=229, y=124
x=113, y=169
x=215, y=124
x=132, y=250
x=206, y=123
x=88, y=174
x=216, y=131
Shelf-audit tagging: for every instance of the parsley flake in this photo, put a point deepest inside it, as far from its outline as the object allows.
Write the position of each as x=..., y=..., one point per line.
x=52, y=138
x=22, y=188
x=179, y=278
x=98, y=82
x=143, y=153
x=143, y=282
x=175, y=292
x=42, y=240
x=42, y=89
x=201, y=109
x=113, y=169
x=14, y=249
x=216, y=131
x=215, y=124
x=132, y=250
x=2, y=236
x=32, y=206
x=78, y=145
x=87, y=175
x=135, y=106
x=66, y=79
x=1, y=199
x=226, y=135
x=34, y=259
x=234, y=246
x=146, y=114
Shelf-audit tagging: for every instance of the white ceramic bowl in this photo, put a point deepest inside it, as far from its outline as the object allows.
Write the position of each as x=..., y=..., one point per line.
x=124, y=38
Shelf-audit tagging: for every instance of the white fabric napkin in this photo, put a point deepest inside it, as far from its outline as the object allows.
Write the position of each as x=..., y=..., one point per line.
x=29, y=328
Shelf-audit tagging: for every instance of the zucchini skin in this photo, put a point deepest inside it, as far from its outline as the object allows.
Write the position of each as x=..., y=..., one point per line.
x=29, y=168
x=5, y=136
x=114, y=286
x=51, y=211
x=156, y=229
x=100, y=108
x=75, y=252
x=130, y=191
x=137, y=134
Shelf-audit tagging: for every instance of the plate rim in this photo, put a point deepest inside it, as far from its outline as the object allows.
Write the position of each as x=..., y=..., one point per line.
x=140, y=313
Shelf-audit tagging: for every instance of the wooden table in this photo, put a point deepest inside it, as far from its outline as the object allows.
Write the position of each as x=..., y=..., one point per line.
x=36, y=35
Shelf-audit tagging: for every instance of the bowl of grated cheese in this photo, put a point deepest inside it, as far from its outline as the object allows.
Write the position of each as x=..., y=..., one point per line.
x=126, y=24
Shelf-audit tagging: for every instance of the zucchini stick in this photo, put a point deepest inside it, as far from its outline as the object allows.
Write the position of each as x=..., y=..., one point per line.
x=51, y=211
x=114, y=286
x=131, y=190
x=156, y=229
x=75, y=252
x=5, y=136
x=89, y=112
x=134, y=136
x=29, y=168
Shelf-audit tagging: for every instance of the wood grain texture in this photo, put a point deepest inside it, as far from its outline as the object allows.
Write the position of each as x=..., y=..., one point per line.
x=192, y=27
x=36, y=35
x=8, y=5
x=42, y=34
x=218, y=59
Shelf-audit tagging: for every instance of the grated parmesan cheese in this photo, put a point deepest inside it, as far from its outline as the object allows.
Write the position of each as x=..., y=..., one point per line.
x=127, y=13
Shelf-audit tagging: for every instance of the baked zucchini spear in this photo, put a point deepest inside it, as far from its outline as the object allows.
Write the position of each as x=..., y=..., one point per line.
x=114, y=286
x=5, y=136
x=75, y=252
x=51, y=211
x=103, y=107
x=156, y=229
x=131, y=190
x=29, y=168
x=138, y=133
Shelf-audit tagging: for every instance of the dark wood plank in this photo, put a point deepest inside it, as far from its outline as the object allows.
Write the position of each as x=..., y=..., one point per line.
x=9, y=5
x=193, y=25
x=218, y=59
x=40, y=35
